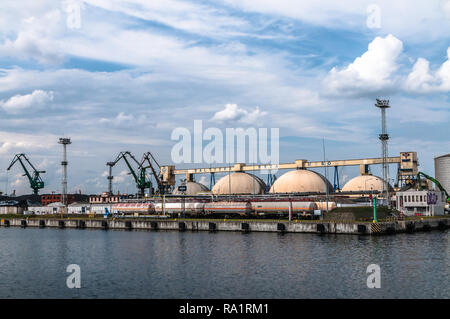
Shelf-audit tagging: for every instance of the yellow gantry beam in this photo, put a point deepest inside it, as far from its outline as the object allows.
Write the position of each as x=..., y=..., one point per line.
x=407, y=160
x=297, y=164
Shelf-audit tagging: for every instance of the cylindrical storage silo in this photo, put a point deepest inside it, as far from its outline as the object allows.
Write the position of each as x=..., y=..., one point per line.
x=442, y=171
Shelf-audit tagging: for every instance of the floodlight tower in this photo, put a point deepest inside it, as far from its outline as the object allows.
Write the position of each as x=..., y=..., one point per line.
x=64, y=142
x=110, y=176
x=384, y=137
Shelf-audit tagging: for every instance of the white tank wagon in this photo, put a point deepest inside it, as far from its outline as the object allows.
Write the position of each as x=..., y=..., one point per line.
x=323, y=205
x=99, y=209
x=132, y=208
x=228, y=208
x=282, y=207
x=176, y=208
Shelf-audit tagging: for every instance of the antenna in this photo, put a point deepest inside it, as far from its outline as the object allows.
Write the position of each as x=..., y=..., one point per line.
x=64, y=142
x=384, y=137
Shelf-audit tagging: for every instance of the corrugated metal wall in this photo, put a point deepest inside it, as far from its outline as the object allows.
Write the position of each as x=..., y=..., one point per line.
x=442, y=171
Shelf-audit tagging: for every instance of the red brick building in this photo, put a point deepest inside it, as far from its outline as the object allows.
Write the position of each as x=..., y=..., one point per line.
x=71, y=198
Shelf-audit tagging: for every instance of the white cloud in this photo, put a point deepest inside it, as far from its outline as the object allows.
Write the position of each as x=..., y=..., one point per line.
x=371, y=72
x=18, y=142
x=232, y=112
x=183, y=15
x=422, y=80
x=36, y=39
x=36, y=99
x=415, y=20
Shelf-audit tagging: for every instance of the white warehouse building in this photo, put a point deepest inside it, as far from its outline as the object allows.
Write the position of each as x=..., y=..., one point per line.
x=421, y=203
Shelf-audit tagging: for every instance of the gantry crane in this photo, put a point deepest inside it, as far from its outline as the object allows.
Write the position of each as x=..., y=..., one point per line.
x=35, y=179
x=435, y=181
x=140, y=178
x=148, y=157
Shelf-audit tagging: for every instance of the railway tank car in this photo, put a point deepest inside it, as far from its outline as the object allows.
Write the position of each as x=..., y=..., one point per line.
x=272, y=208
x=133, y=208
x=189, y=208
x=228, y=208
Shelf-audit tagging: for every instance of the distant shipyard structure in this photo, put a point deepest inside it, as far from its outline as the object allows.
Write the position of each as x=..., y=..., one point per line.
x=300, y=191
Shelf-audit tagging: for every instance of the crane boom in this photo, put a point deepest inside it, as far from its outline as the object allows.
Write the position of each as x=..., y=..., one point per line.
x=435, y=181
x=140, y=178
x=149, y=157
x=35, y=180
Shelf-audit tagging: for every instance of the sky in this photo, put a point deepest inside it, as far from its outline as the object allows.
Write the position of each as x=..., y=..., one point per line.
x=122, y=75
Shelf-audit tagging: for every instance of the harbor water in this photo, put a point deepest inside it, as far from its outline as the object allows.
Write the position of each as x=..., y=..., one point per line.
x=171, y=264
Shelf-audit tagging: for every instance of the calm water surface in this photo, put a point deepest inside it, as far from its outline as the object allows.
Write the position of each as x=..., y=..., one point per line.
x=141, y=264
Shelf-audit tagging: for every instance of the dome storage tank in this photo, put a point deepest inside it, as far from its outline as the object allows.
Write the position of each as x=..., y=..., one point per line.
x=239, y=183
x=192, y=188
x=365, y=183
x=301, y=181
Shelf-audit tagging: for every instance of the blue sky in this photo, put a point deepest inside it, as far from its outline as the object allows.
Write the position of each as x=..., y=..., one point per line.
x=128, y=72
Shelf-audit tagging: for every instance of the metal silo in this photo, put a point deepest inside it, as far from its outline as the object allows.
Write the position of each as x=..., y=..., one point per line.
x=442, y=171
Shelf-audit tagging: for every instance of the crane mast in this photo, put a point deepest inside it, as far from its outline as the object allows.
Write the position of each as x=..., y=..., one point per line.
x=162, y=187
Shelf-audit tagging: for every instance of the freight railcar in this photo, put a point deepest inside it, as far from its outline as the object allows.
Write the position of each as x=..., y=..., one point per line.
x=281, y=208
x=189, y=208
x=133, y=208
x=228, y=208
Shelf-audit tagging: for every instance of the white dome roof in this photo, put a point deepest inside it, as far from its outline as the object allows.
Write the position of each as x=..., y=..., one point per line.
x=301, y=181
x=192, y=188
x=364, y=183
x=239, y=183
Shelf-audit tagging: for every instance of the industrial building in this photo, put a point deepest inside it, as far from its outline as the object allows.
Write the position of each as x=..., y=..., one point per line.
x=47, y=199
x=421, y=203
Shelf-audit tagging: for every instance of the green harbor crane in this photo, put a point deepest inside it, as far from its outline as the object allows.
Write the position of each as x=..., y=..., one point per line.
x=149, y=158
x=140, y=177
x=435, y=181
x=35, y=179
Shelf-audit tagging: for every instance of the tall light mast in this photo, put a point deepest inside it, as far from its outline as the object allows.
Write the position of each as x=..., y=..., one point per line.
x=64, y=142
x=384, y=137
